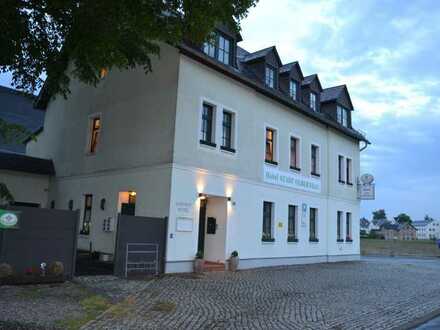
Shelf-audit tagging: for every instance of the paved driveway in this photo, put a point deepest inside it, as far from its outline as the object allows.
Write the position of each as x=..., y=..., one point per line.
x=376, y=293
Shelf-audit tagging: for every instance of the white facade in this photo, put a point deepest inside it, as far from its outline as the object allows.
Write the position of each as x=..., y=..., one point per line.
x=150, y=144
x=427, y=229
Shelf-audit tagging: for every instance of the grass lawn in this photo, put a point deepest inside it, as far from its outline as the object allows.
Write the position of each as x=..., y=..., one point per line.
x=420, y=248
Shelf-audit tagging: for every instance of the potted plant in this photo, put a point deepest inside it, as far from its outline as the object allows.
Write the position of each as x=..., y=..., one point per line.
x=199, y=262
x=233, y=261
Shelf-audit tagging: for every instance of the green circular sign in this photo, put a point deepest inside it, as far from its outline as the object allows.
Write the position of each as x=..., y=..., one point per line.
x=8, y=219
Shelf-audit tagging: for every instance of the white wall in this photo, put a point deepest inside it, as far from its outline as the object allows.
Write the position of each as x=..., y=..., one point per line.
x=26, y=187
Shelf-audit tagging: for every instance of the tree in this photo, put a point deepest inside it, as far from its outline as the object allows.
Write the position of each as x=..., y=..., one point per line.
x=379, y=214
x=403, y=218
x=43, y=37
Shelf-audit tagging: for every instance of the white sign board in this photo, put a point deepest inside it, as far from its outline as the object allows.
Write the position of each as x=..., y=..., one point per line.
x=184, y=216
x=366, y=191
x=291, y=180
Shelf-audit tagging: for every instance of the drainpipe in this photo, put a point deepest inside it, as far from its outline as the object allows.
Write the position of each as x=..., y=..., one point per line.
x=365, y=146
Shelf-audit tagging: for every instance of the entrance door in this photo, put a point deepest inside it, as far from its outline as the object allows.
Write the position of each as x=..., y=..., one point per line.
x=202, y=222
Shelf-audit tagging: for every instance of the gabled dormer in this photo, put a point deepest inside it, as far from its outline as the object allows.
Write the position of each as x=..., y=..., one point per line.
x=265, y=65
x=291, y=77
x=311, y=89
x=221, y=45
x=336, y=103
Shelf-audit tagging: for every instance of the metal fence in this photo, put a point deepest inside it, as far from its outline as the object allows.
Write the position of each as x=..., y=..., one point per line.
x=140, y=246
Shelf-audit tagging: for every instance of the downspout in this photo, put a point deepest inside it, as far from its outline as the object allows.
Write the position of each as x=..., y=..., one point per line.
x=365, y=146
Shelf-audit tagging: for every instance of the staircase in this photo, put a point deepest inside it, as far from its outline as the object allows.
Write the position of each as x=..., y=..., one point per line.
x=210, y=266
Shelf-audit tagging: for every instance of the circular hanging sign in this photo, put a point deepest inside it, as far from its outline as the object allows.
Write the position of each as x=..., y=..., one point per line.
x=367, y=178
x=8, y=219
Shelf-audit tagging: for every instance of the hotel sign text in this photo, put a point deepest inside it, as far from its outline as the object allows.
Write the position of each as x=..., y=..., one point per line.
x=291, y=180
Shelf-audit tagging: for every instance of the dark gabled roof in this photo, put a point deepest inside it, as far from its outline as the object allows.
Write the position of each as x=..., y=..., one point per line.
x=243, y=76
x=22, y=163
x=17, y=108
x=286, y=68
x=334, y=93
x=309, y=79
x=390, y=226
x=250, y=57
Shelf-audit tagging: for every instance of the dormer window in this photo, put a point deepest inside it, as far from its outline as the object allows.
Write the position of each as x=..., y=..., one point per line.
x=293, y=89
x=313, y=103
x=219, y=47
x=342, y=116
x=270, y=77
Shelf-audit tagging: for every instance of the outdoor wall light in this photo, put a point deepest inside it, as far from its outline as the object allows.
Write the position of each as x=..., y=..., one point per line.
x=202, y=196
x=103, y=204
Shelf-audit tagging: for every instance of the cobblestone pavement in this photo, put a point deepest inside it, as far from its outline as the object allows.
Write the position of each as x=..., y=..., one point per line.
x=371, y=294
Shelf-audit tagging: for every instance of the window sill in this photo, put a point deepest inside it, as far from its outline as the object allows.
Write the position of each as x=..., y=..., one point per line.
x=341, y=181
x=350, y=183
x=348, y=240
x=268, y=240
x=207, y=143
x=313, y=240
x=231, y=150
x=294, y=168
x=271, y=162
x=292, y=240
x=316, y=174
x=340, y=241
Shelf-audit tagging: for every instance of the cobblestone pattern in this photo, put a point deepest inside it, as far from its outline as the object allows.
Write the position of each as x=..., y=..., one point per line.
x=115, y=288
x=362, y=295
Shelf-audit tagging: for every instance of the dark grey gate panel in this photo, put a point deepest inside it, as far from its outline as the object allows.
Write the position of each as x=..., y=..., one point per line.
x=140, y=243
x=44, y=235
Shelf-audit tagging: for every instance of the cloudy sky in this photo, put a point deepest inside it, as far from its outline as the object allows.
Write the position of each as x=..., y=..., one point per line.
x=386, y=51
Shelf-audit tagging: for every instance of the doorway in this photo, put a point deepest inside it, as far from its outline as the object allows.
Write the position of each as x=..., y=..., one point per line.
x=213, y=214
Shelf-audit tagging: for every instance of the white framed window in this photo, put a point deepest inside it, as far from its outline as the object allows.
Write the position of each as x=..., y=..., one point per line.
x=349, y=171
x=348, y=227
x=219, y=47
x=224, y=53
x=228, y=131
x=339, y=226
x=315, y=160
x=271, y=141
x=313, y=101
x=341, y=169
x=207, y=127
x=94, y=134
x=270, y=76
x=268, y=214
x=295, y=153
x=292, y=224
x=342, y=116
x=313, y=224
x=293, y=89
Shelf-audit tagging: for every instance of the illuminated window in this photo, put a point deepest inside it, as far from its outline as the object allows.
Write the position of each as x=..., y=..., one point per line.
x=270, y=145
x=94, y=134
x=103, y=73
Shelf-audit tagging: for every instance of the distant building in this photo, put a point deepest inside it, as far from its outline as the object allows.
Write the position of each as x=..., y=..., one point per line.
x=427, y=229
x=404, y=231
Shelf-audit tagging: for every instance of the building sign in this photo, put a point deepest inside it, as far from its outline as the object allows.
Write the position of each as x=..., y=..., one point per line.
x=184, y=216
x=366, y=187
x=291, y=180
x=9, y=219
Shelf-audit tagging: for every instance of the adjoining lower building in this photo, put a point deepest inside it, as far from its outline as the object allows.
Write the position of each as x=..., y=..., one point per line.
x=240, y=151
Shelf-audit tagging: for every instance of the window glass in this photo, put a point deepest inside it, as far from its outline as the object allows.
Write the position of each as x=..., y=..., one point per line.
x=315, y=160
x=210, y=45
x=341, y=169
x=94, y=134
x=292, y=225
x=339, y=226
x=294, y=153
x=270, y=77
x=227, y=129
x=313, y=104
x=267, y=220
x=223, y=50
x=207, y=123
x=348, y=226
x=313, y=224
x=270, y=141
x=349, y=171
x=87, y=215
x=292, y=89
